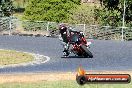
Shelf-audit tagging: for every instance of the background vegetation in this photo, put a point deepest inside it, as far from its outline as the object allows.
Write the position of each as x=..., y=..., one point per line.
x=50, y=10
x=111, y=12
x=84, y=14
x=6, y=8
x=108, y=12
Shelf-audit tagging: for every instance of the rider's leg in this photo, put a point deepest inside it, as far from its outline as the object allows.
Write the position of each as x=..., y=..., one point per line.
x=66, y=49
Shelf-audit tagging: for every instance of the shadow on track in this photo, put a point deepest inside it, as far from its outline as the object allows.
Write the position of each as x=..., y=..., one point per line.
x=74, y=57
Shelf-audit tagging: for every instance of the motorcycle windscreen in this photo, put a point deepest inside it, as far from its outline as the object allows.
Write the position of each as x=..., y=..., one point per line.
x=75, y=38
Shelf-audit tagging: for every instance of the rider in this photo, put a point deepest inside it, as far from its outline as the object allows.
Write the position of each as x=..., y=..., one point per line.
x=64, y=36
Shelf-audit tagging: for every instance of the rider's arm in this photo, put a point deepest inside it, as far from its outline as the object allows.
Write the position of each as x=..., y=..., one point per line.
x=73, y=30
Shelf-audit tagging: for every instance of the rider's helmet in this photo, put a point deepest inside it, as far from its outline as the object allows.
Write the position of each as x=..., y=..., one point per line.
x=62, y=28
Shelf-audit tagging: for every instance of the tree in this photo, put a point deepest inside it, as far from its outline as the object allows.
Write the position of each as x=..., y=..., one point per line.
x=20, y=3
x=50, y=10
x=0, y=1
x=111, y=12
x=6, y=7
x=84, y=14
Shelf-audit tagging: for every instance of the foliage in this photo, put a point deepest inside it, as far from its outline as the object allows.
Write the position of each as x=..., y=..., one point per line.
x=50, y=10
x=31, y=25
x=39, y=25
x=20, y=3
x=6, y=8
x=111, y=14
x=83, y=14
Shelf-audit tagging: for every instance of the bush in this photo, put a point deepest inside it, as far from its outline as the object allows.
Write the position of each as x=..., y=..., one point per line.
x=84, y=14
x=50, y=10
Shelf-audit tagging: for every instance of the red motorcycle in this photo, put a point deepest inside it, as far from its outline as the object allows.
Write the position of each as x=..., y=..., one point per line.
x=79, y=45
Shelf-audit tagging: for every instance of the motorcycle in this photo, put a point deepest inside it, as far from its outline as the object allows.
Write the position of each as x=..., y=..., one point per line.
x=80, y=46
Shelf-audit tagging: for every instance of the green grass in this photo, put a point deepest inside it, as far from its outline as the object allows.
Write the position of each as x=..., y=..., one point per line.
x=62, y=84
x=12, y=57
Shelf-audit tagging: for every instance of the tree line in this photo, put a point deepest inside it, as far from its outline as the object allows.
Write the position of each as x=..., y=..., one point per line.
x=109, y=12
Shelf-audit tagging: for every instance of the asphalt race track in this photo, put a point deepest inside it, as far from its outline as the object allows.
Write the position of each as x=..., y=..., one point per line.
x=108, y=55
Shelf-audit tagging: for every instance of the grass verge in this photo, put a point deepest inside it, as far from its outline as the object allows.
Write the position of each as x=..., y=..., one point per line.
x=62, y=84
x=54, y=80
x=8, y=57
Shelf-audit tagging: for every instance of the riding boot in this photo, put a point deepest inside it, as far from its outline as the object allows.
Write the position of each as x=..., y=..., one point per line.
x=65, y=52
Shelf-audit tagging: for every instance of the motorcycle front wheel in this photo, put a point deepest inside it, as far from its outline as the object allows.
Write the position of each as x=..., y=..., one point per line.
x=86, y=53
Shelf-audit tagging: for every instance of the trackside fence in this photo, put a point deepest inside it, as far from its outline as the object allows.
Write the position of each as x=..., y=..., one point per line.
x=14, y=26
